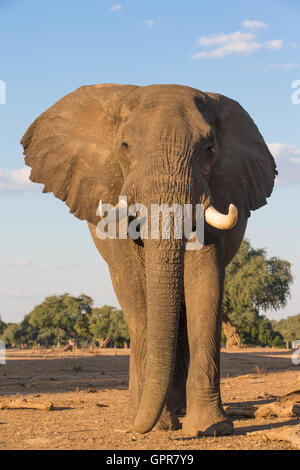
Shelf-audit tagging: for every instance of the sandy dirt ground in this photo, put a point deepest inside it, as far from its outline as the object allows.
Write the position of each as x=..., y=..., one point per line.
x=90, y=401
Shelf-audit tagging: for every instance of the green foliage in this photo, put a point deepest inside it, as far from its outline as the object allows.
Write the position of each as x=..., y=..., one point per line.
x=288, y=327
x=253, y=283
x=27, y=334
x=61, y=318
x=10, y=335
x=107, y=322
x=19, y=334
x=257, y=329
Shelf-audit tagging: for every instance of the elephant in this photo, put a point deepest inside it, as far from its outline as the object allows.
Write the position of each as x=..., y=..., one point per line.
x=160, y=144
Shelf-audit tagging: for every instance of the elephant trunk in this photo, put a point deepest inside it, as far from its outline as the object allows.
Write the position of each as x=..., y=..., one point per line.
x=164, y=280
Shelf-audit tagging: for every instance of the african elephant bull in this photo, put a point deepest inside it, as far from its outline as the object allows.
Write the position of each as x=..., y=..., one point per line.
x=160, y=144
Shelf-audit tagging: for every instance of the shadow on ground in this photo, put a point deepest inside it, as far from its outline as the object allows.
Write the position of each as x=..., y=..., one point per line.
x=49, y=372
x=234, y=363
x=63, y=374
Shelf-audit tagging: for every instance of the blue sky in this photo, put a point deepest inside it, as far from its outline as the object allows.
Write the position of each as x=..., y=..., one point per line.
x=248, y=51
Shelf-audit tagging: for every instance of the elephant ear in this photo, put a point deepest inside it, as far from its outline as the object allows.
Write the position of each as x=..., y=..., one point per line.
x=69, y=148
x=245, y=172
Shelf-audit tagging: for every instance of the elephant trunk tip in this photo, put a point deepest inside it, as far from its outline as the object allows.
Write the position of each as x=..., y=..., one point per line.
x=145, y=421
x=141, y=428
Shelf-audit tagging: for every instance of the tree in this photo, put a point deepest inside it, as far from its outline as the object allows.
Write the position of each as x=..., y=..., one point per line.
x=61, y=317
x=27, y=334
x=10, y=335
x=64, y=319
x=288, y=327
x=2, y=326
x=19, y=334
x=254, y=283
x=257, y=329
x=230, y=332
x=108, y=324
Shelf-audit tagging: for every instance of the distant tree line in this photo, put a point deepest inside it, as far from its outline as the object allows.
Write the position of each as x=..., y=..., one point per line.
x=253, y=284
x=61, y=320
x=288, y=327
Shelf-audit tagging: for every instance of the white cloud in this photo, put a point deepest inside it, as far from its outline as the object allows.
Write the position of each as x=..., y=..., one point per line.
x=221, y=39
x=275, y=44
x=116, y=7
x=238, y=42
x=151, y=23
x=39, y=266
x=16, y=181
x=253, y=24
x=241, y=48
x=284, y=67
x=287, y=158
x=233, y=43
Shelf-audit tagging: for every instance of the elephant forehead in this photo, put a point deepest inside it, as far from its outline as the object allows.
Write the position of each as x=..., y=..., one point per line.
x=156, y=95
x=173, y=105
x=153, y=95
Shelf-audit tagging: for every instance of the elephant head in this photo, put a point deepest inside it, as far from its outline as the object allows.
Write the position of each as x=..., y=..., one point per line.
x=154, y=144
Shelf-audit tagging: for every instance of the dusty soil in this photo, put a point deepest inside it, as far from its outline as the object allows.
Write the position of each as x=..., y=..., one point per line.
x=90, y=397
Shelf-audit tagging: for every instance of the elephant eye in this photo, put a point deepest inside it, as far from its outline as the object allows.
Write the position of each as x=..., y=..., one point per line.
x=209, y=148
x=125, y=145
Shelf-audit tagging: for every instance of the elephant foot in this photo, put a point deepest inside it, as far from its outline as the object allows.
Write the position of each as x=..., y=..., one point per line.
x=208, y=423
x=168, y=421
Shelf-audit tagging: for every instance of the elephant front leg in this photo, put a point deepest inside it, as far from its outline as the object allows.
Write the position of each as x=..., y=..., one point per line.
x=130, y=291
x=204, y=280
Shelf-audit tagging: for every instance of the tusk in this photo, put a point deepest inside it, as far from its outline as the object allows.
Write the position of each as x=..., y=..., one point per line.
x=222, y=221
x=101, y=210
x=116, y=213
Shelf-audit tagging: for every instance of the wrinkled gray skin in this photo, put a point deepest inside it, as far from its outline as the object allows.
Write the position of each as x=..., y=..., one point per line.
x=160, y=144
